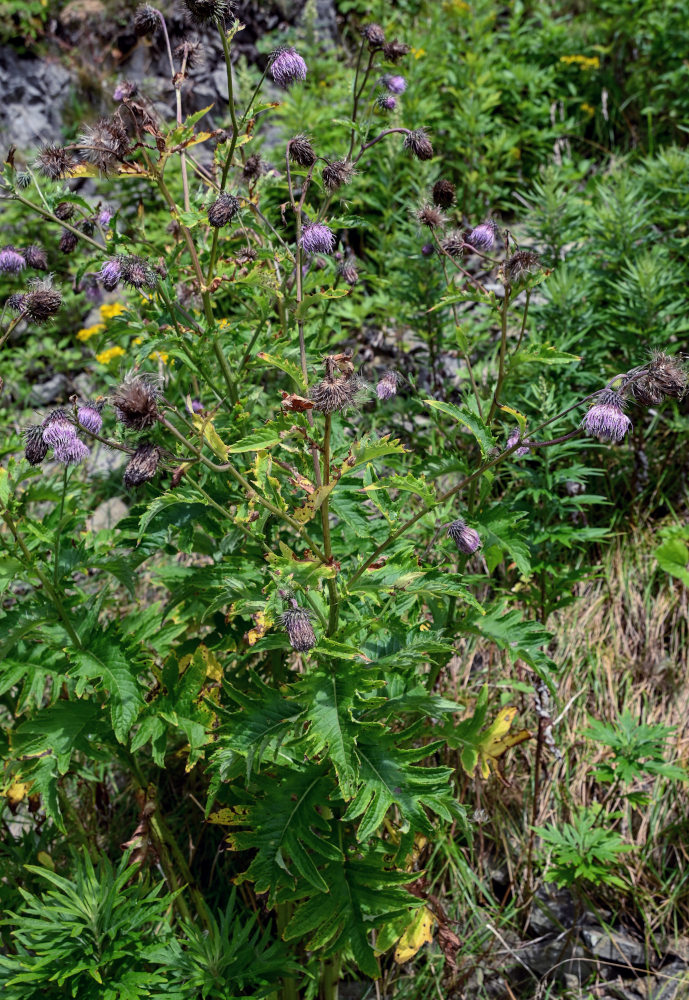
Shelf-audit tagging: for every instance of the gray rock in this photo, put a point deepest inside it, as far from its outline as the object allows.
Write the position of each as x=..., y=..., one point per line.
x=612, y=946
x=51, y=391
x=671, y=982
x=35, y=92
x=558, y=957
x=107, y=514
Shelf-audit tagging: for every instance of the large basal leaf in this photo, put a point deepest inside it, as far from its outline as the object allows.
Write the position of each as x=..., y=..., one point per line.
x=105, y=663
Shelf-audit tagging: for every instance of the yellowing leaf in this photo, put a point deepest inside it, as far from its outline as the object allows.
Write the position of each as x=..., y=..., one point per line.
x=223, y=817
x=17, y=792
x=308, y=510
x=45, y=860
x=418, y=933
x=497, y=739
x=211, y=435
x=262, y=624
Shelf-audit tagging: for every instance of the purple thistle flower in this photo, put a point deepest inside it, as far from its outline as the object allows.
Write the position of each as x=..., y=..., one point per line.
x=35, y=257
x=11, y=261
x=89, y=416
x=512, y=440
x=58, y=429
x=316, y=237
x=386, y=102
x=287, y=66
x=395, y=84
x=465, y=538
x=387, y=387
x=105, y=216
x=196, y=406
x=482, y=237
x=110, y=274
x=71, y=451
x=124, y=90
x=428, y=250
x=606, y=419
x=297, y=623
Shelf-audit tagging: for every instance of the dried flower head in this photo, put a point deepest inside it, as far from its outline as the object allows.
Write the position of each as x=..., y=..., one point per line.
x=453, y=244
x=136, y=401
x=301, y=151
x=68, y=241
x=142, y=466
x=394, y=83
x=515, y=436
x=336, y=173
x=395, y=50
x=443, y=193
x=137, y=272
x=418, y=144
x=206, y=11
x=54, y=162
x=348, y=271
x=146, y=21
x=124, y=90
x=387, y=387
x=223, y=210
x=483, y=236
x=316, y=238
x=105, y=144
x=42, y=302
x=297, y=623
x=386, y=102
x=465, y=538
x=35, y=257
x=606, y=419
x=89, y=416
x=110, y=274
x=335, y=392
x=374, y=35
x=35, y=448
x=287, y=66
x=11, y=260
x=430, y=216
x=64, y=211
x=520, y=264
x=664, y=376
x=253, y=168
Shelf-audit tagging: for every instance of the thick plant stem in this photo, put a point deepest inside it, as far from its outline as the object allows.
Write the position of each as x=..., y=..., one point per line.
x=56, y=554
x=503, y=349
x=289, y=985
x=330, y=979
x=333, y=596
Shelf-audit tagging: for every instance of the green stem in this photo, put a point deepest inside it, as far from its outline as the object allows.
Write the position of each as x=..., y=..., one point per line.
x=333, y=597
x=503, y=348
x=53, y=218
x=289, y=985
x=58, y=530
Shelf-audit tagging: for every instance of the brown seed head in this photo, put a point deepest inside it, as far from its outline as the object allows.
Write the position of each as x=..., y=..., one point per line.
x=374, y=35
x=520, y=264
x=395, y=50
x=443, y=193
x=136, y=402
x=54, y=162
x=337, y=173
x=142, y=465
x=418, y=144
x=430, y=216
x=301, y=151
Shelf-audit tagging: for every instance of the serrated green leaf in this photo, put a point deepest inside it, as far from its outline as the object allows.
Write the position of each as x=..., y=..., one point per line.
x=106, y=663
x=470, y=420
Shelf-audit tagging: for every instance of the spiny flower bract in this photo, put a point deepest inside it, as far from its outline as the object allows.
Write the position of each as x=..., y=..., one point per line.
x=297, y=623
x=223, y=210
x=418, y=143
x=142, y=466
x=136, y=401
x=606, y=419
x=316, y=237
x=465, y=538
x=287, y=66
x=11, y=260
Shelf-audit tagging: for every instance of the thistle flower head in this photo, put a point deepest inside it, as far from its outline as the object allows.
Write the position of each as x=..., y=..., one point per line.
x=387, y=387
x=11, y=260
x=35, y=448
x=137, y=272
x=206, y=11
x=146, y=22
x=348, y=271
x=301, y=151
x=336, y=173
x=57, y=428
x=42, y=302
x=443, y=193
x=316, y=238
x=606, y=419
x=515, y=436
x=54, y=162
x=395, y=84
x=124, y=90
x=71, y=451
x=16, y=301
x=142, y=466
x=335, y=393
x=386, y=102
x=465, y=538
x=453, y=244
x=374, y=35
x=35, y=257
x=519, y=265
x=64, y=211
x=395, y=50
x=297, y=623
x=68, y=241
x=287, y=66
x=89, y=416
x=665, y=376
x=418, y=144
x=105, y=216
x=253, y=168
x=136, y=401
x=105, y=144
x=223, y=210
x=430, y=216
x=483, y=236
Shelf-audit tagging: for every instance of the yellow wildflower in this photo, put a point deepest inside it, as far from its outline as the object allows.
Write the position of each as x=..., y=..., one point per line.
x=105, y=357
x=417, y=53
x=89, y=331
x=110, y=309
x=584, y=62
x=159, y=356
x=138, y=340
x=424, y=627
x=588, y=109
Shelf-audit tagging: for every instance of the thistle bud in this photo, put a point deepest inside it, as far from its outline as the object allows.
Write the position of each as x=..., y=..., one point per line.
x=11, y=260
x=110, y=274
x=35, y=448
x=395, y=84
x=316, y=238
x=443, y=193
x=64, y=211
x=253, y=168
x=223, y=210
x=374, y=35
x=301, y=151
x=395, y=50
x=483, y=236
x=347, y=270
x=136, y=402
x=512, y=440
x=35, y=257
x=387, y=387
x=206, y=11
x=68, y=241
x=465, y=538
x=386, y=102
x=287, y=66
x=606, y=419
x=89, y=416
x=337, y=173
x=430, y=216
x=418, y=144
x=146, y=22
x=428, y=250
x=297, y=623
x=15, y=302
x=42, y=302
x=137, y=272
x=142, y=466
x=54, y=162
x=519, y=265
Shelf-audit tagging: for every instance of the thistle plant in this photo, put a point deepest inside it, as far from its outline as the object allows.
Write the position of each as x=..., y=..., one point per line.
x=309, y=615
